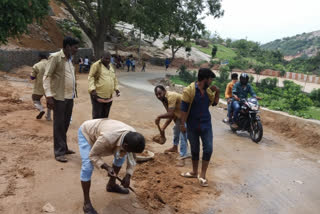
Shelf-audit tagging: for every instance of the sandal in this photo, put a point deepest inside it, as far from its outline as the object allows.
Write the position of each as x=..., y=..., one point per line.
x=203, y=182
x=117, y=189
x=188, y=175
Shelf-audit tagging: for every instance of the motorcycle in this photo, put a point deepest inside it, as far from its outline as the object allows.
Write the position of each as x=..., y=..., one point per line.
x=249, y=120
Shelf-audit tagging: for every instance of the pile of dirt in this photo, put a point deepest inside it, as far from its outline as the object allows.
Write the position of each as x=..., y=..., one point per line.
x=46, y=36
x=159, y=185
x=302, y=131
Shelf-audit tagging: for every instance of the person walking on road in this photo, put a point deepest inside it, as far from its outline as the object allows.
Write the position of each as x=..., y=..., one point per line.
x=105, y=137
x=172, y=103
x=59, y=84
x=128, y=63
x=167, y=63
x=102, y=84
x=133, y=65
x=143, y=66
x=196, y=100
x=38, y=91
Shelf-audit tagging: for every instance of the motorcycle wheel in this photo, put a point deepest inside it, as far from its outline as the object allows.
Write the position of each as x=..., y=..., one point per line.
x=256, y=131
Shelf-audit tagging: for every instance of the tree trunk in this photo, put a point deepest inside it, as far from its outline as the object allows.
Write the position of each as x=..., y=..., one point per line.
x=98, y=47
x=139, y=50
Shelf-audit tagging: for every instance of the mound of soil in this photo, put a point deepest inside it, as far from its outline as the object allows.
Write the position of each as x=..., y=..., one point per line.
x=159, y=184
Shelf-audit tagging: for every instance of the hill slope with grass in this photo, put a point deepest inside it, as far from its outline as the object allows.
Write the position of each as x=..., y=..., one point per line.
x=302, y=44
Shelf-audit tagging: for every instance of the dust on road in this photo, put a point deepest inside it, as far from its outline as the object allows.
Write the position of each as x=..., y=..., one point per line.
x=244, y=177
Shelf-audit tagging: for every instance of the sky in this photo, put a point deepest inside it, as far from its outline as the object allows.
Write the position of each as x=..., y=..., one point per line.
x=265, y=20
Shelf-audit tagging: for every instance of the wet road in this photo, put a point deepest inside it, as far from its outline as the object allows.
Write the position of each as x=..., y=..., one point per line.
x=274, y=176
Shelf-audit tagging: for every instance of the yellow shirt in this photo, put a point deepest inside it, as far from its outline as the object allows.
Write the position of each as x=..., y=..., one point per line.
x=174, y=101
x=54, y=78
x=38, y=72
x=103, y=80
x=228, y=93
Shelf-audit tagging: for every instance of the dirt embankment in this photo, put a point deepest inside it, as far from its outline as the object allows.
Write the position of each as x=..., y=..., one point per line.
x=304, y=132
x=159, y=185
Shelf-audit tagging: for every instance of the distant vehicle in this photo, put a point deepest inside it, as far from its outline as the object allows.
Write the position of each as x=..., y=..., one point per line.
x=249, y=119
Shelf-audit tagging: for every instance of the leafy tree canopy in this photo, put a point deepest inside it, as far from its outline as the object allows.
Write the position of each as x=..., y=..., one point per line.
x=15, y=15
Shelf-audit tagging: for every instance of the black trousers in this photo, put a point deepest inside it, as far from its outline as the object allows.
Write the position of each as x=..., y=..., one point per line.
x=61, y=120
x=100, y=110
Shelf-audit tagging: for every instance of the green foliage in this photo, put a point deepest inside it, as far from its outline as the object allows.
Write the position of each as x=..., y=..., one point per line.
x=214, y=51
x=291, y=46
x=268, y=84
x=239, y=62
x=187, y=76
x=315, y=97
x=15, y=15
x=68, y=26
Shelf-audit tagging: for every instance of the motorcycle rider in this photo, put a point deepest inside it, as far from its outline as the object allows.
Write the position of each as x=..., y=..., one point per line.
x=240, y=91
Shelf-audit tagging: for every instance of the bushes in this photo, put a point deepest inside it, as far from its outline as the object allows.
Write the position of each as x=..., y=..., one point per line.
x=187, y=76
x=315, y=97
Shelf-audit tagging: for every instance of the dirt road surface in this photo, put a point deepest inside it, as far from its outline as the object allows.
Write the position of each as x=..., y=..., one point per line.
x=275, y=176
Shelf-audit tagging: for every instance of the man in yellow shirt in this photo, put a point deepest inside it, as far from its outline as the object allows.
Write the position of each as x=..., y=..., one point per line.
x=102, y=83
x=228, y=96
x=37, y=93
x=59, y=84
x=172, y=102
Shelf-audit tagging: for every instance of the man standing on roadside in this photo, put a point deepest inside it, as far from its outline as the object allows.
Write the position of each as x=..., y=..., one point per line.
x=38, y=91
x=102, y=84
x=172, y=103
x=196, y=100
x=228, y=96
x=59, y=84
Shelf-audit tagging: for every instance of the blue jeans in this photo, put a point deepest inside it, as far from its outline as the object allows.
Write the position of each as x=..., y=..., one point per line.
x=87, y=166
x=230, y=111
x=206, y=136
x=236, y=108
x=177, y=135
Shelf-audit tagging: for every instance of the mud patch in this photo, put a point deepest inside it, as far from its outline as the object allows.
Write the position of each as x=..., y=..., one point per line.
x=26, y=172
x=159, y=185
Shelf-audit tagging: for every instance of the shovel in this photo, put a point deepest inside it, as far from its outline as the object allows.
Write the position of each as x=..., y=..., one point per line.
x=119, y=179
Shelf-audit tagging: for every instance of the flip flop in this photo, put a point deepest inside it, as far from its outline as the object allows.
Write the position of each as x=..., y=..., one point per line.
x=188, y=175
x=117, y=189
x=203, y=182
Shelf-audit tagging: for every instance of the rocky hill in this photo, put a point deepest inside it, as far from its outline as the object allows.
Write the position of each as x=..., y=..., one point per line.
x=305, y=44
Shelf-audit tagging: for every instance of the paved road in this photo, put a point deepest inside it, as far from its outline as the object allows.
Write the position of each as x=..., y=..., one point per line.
x=274, y=176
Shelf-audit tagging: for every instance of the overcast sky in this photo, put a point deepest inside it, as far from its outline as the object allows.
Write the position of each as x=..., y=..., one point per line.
x=266, y=20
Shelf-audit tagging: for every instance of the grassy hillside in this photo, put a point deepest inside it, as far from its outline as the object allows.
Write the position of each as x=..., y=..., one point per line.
x=304, y=44
x=222, y=53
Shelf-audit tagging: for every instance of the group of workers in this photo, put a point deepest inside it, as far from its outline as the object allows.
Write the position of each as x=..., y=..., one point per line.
x=55, y=79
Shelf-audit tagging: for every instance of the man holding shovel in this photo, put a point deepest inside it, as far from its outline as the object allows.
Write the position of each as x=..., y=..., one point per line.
x=102, y=84
x=105, y=137
x=172, y=102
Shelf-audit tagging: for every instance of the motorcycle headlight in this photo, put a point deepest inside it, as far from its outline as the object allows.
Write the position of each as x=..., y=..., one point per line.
x=255, y=107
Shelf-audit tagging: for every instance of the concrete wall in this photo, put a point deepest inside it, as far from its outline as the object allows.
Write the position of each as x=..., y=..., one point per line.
x=10, y=59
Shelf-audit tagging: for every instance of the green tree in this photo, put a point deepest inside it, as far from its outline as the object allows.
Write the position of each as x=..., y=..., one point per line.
x=15, y=15
x=97, y=17
x=214, y=51
x=182, y=21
